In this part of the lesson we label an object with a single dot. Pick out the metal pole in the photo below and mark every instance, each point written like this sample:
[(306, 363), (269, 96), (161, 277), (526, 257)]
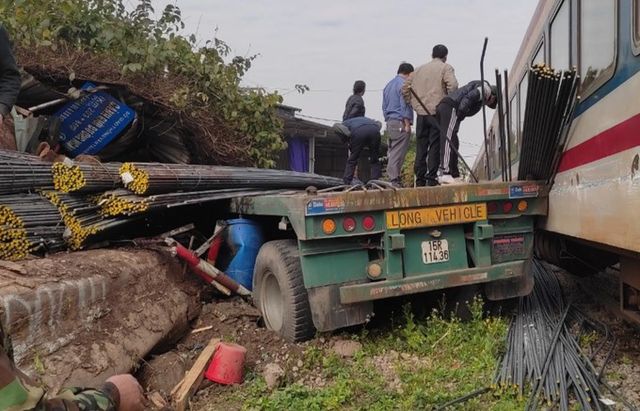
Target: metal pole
[(509, 119), (312, 155), (484, 110)]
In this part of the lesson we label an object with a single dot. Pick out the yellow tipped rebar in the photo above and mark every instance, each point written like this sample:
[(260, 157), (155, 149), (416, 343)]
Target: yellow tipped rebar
[(14, 239), (67, 177), (76, 232), (113, 205), (134, 179)]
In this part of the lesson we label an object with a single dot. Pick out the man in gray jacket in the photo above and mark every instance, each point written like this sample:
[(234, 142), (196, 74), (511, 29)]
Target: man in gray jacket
[(430, 82), (9, 76)]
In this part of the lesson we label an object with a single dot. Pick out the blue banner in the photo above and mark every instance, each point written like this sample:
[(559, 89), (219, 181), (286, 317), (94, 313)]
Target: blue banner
[(93, 121)]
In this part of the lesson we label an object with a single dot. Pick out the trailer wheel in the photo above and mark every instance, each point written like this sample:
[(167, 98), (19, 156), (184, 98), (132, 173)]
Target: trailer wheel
[(279, 291)]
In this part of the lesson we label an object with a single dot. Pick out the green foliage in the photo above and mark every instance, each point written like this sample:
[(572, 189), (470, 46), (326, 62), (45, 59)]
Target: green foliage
[(418, 365), (143, 44)]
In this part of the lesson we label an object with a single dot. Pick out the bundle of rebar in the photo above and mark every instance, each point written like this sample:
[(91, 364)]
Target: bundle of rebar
[(86, 177), (123, 202), (155, 178), (550, 103), (28, 223), (81, 217), (543, 352), (20, 173), (17, 155)]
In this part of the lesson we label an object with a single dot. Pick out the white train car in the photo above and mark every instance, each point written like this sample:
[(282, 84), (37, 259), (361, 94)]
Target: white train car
[(594, 203)]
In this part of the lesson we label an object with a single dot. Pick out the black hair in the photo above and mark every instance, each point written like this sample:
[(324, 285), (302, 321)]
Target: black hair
[(405, 68), (439, 51), (358, 87)]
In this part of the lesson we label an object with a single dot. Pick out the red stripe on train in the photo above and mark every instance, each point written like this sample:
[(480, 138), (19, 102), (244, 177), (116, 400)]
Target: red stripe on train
[(620, 137)]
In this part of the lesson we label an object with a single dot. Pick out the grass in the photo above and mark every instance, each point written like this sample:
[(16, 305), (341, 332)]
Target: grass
[(418, 364)]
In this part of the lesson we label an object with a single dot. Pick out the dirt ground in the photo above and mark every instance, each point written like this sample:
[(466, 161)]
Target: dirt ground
[(623, 370), (235, 320)]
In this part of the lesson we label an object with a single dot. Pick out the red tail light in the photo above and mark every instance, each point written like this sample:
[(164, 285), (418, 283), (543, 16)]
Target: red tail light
[(349, 224), (507, 206), (368, 223), (492, 208)]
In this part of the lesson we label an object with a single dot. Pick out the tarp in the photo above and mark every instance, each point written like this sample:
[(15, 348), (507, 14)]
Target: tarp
[(298, 154)]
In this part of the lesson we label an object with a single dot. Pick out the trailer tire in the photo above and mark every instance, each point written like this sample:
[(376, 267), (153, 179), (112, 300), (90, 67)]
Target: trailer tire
[(279, 291)]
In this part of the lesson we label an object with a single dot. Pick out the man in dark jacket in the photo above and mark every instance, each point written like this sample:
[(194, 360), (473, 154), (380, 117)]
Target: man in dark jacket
[(9, 76), (355, 103), (455, 107), (363, 132)]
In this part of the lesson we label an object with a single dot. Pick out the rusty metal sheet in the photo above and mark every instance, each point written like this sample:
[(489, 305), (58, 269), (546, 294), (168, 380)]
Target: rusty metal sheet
[(344, 202)]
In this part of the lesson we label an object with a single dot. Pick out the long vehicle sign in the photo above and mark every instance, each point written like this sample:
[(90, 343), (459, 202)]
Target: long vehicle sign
[(435, 216)]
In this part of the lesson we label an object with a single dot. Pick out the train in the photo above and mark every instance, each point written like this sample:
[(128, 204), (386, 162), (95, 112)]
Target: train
[(593, 218)]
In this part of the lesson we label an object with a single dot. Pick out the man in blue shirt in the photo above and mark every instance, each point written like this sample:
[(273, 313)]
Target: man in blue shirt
[(399, 117), (361, 132)]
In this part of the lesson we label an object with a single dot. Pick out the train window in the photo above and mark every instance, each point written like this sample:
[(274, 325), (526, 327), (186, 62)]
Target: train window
[(559, 34), (495, 156), (522, 94), (538, 58), (597, 41), (513, 127), (636, 25)]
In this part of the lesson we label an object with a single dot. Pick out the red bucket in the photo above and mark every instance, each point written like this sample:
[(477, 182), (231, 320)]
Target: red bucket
[(227, 365)]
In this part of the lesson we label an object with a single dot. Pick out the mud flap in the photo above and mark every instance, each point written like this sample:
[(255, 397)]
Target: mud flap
[(511, 287), (329, 314)]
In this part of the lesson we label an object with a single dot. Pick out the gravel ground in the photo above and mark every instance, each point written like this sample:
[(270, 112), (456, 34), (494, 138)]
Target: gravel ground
[(590, 293)]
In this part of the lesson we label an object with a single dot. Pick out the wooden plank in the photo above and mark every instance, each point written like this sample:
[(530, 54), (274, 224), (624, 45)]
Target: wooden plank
[(193, 378), (199, 330)]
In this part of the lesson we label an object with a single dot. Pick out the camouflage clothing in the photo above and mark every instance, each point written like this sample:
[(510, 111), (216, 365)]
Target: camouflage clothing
[(19, 392)]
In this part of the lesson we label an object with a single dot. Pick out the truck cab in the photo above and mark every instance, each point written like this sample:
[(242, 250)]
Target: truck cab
[(343, 250)]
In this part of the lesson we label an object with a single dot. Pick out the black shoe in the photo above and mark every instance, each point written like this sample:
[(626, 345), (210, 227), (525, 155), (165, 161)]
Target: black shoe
[(432, 183)]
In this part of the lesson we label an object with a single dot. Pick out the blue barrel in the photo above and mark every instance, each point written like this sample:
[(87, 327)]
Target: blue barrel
[(245, 239)]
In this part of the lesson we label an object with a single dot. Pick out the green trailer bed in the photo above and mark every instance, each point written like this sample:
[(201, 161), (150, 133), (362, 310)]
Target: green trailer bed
[(339, 251)]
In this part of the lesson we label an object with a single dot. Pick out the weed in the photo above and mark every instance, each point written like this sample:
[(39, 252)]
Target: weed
[(416, 365), (587, 340), (38, 365)]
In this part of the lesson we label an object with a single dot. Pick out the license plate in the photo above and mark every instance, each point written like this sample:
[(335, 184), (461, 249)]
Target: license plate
[(435, 216), (435, 251)]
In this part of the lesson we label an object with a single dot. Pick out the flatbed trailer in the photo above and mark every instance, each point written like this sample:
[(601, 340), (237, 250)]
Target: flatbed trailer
[(337, 252)]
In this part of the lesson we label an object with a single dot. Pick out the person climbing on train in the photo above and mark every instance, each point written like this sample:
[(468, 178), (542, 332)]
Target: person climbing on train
[(455, 107)]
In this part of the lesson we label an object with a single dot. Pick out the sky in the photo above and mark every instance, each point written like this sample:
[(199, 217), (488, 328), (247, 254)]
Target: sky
[(328, 44)]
